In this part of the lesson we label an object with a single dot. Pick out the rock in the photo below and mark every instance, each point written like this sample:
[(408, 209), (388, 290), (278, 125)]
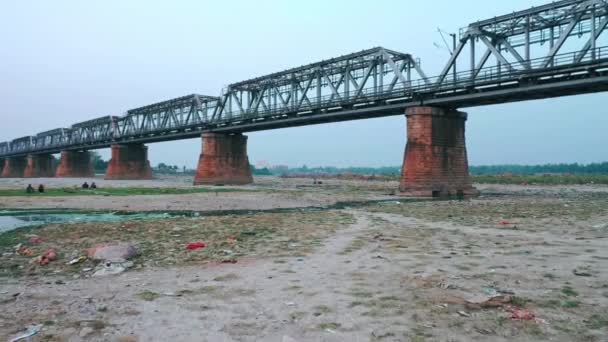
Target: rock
[(112, 252), (86, 331), (110, 268)]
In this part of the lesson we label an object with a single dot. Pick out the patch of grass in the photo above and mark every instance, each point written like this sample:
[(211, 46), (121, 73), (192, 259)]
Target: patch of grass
[(226, 277), (519, 301), (321, 309), (162, 243), (598, 321), (569, 291), (125, 191), (198, 291), (550, 276), (571, 304), (148, 295), (542, 179)]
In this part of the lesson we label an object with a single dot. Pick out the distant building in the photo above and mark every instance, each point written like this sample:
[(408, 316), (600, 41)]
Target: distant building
[(279, 167), (262, 164)]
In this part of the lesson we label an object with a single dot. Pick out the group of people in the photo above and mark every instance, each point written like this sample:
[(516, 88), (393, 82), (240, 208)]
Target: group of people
[(30, 189), (86, 185)]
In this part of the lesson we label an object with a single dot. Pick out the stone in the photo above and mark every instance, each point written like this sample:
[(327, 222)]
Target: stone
[(435, 161), (86, 331), (223, 160), (118, 252), (129, 162), (75, 164), (109, 268)]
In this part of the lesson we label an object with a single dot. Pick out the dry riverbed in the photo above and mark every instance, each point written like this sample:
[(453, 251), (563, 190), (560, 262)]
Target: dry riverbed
[(523, 263)]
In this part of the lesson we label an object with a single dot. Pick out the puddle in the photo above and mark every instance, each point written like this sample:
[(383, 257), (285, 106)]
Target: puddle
[(16, 218), (12, 219)]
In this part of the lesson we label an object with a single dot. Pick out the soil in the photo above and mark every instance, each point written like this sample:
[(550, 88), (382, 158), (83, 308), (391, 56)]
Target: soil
[(390, 271)]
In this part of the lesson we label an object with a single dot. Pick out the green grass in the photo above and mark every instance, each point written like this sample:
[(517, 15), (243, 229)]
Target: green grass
[(126, 191), (148, 295), (542, 179), (569, 291)]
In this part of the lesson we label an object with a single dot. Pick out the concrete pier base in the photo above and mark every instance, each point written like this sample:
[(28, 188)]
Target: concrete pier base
[(435, 162), (223, 160)]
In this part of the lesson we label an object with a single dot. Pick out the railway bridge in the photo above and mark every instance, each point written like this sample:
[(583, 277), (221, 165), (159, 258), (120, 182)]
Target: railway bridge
[(553, 50)]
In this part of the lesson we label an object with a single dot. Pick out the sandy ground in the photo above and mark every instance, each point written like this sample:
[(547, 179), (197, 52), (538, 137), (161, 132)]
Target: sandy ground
[(269, 193), (417, 271)]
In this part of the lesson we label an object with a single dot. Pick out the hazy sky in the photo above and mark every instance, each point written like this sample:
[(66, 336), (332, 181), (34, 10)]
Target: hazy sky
[(63, 62)]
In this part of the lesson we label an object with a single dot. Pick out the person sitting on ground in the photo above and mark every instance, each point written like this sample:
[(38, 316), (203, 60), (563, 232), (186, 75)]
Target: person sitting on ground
[(93, 185), (29, 189), (85, 185), (41, 188)]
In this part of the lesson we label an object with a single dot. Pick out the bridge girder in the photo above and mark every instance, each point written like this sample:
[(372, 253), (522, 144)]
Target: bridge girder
[(546, 51)]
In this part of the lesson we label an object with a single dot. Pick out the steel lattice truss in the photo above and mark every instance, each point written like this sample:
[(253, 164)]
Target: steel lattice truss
[(560, 34), (547, 51)]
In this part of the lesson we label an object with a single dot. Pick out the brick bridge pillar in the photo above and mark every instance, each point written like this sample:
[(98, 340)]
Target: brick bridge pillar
[(75, 164), (39, 165), (13, 167), (223, 160), (129, 161), (435, 162)]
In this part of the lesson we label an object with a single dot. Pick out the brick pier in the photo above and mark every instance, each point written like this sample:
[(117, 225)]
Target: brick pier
[(39, 165), (75, 164), (435, 162), (223, 160), (129, 161), (13, 167)]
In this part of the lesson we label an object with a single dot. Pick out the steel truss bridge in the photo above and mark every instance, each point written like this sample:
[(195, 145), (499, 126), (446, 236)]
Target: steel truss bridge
[(548, 51)]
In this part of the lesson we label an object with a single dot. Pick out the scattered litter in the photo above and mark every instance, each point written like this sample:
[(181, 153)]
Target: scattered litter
[(488, 302), (507, 223), (464, 314), (47, 257), (447, 286), (521, 314), (112, 251), (290, 303), (87, 269), (31, 331), (581, 273), (195, 245), (25, 251), (77, 260), (490, 291), (35, 239)]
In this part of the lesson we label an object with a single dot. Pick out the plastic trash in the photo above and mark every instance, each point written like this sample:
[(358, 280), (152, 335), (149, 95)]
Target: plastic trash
[(521, 314), (47, 257), (77, 260), (31, 331), (195, 245), (34, 240)]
